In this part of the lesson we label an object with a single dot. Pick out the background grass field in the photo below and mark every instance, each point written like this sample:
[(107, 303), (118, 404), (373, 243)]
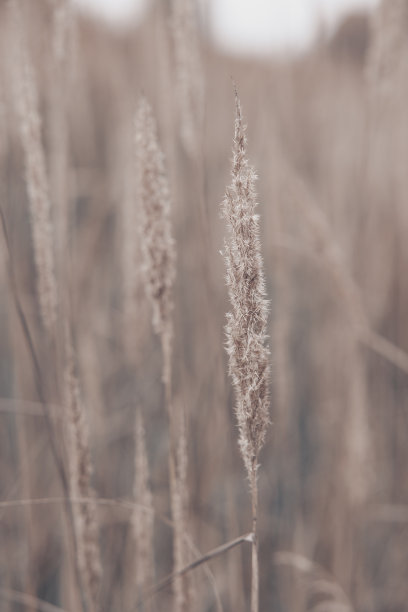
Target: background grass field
[(328, 137)]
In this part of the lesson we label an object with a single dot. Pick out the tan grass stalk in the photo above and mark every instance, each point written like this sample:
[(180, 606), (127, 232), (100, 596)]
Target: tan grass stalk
[(189, 73), (142, 519), (247, 322), (157, 244), (158, 253), (357, 459), (135, 310), (183, 586), (36, 176), (60, 76), (80, 474), (216, 552), (130, 269)]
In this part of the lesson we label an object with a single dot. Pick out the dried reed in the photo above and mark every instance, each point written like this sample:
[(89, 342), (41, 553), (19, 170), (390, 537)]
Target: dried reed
[(136, 312), (183, 586), (60, 80), (157, 244), (143, 514), (158, 253), (80, 474), (26, 98), (246, 323), (189, 73)]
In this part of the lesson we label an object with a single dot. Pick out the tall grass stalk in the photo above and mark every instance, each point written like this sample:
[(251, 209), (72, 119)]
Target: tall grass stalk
[(247, 321), (143, 515), (26, 97), (157, 244), (158, 257), (60, 73), (189, 73), (80, 474)]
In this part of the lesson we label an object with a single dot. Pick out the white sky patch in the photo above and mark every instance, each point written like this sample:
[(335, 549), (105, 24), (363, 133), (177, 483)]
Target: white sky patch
[(259, 25), (256, 26), (248, 26), (116, 11)]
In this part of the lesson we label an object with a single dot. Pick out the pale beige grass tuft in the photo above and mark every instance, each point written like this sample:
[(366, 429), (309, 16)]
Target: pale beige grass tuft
[(157, 244), (247, 322), (26, 98)]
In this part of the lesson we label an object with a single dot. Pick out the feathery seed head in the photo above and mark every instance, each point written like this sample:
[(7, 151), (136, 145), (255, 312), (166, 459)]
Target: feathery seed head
[(247, 321), (26, 96), (157, 244)]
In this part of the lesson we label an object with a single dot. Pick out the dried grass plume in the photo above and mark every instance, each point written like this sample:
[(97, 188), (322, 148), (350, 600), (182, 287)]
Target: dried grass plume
[(157, 244), (26, 97), (247, 321)]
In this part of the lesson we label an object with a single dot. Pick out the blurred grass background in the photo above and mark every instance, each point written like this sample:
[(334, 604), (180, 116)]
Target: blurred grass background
[(328, 134)]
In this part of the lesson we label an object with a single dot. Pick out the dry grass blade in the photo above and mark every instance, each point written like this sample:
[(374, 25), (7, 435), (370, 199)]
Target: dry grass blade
[(386, 349), (216, 552)]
